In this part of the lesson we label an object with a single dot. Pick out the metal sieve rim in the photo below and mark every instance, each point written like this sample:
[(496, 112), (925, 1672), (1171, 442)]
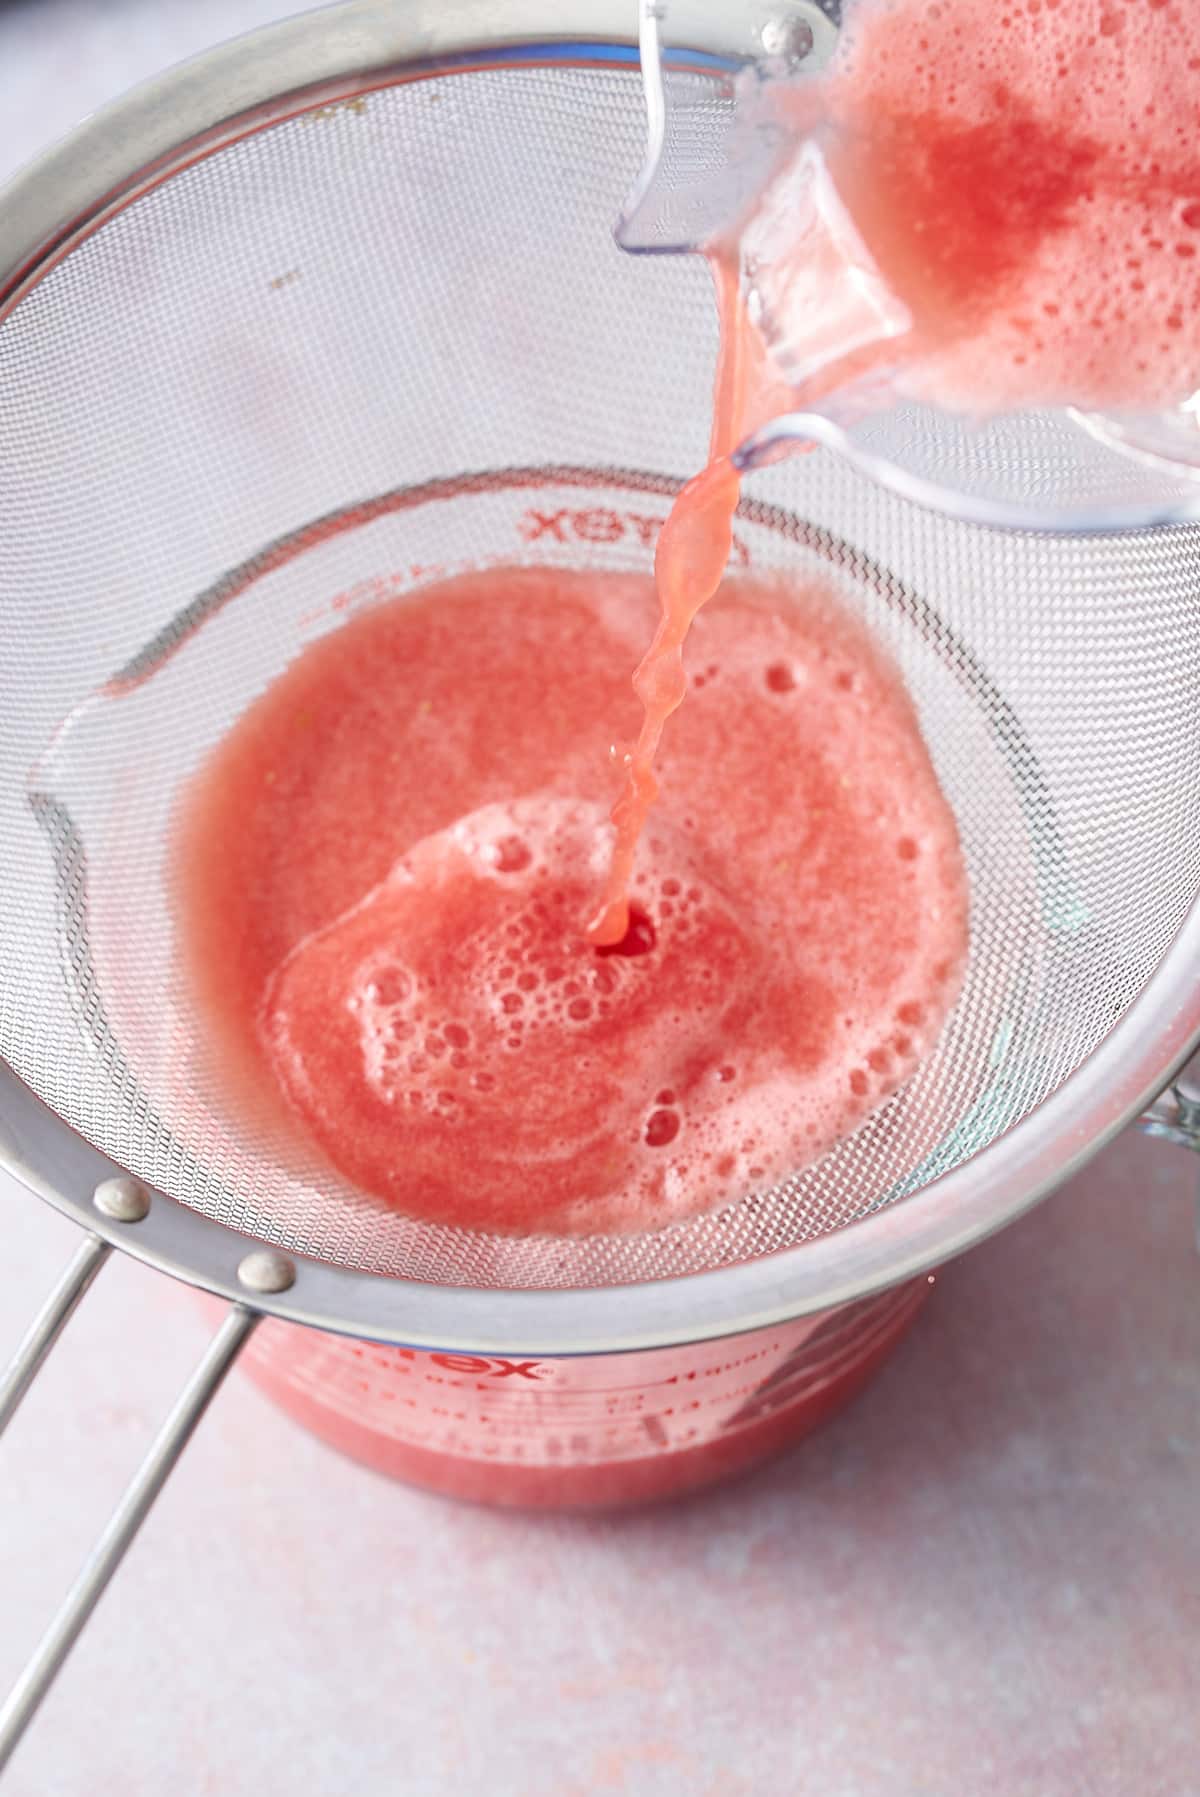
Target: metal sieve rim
[(906, 1238), (1154, 1038), (141, 140), (318, 58)]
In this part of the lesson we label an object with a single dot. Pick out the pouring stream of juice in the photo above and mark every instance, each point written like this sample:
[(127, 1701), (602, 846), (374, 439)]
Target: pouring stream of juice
[(693, 548)]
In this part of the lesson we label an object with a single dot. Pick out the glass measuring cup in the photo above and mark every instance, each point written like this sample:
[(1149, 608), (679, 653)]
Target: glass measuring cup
[(594, 1432)]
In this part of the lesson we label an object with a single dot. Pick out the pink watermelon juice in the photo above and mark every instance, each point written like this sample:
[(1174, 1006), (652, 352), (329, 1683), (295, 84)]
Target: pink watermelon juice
[(388, 865)]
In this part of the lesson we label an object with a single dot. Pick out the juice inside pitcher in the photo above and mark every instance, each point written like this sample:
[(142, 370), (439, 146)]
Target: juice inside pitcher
[(989, 208)]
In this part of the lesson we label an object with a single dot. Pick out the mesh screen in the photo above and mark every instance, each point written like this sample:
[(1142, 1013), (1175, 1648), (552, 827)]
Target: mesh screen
[(367, 345)]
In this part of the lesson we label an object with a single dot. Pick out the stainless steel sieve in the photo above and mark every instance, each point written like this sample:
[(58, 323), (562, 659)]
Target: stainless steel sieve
[(339, 303)]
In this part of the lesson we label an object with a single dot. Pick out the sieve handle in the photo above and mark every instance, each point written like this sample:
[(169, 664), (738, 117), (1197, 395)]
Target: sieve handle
[(133, 1507), (1175, 1113), (49, 1324)]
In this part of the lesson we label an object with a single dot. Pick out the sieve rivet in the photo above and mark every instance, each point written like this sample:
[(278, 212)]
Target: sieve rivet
[(266, 1270), (122, 1199), (790, 39)]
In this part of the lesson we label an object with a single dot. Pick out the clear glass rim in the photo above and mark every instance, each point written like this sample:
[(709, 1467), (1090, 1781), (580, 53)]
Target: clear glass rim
[(793, 431)]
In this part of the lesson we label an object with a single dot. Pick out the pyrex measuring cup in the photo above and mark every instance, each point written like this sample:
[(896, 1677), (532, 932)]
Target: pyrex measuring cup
[(301, 326)]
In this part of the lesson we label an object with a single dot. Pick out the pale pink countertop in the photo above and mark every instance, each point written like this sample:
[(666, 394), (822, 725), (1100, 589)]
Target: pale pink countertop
[(984, 1579)]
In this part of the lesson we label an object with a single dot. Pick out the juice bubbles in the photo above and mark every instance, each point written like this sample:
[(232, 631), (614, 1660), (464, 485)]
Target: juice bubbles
[(369, 913), (1024, 180), (388, 863)]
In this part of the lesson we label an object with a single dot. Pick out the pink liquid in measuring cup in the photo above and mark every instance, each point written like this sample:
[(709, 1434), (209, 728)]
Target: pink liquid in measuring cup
[(388, 864), (595, 1432), (353, 855)]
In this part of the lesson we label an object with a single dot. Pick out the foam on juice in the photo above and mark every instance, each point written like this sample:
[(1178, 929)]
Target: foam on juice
[(403, 958)]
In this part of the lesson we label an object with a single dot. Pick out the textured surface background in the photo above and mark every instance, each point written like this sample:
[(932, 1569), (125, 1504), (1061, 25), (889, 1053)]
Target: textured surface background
[(983, 1580)]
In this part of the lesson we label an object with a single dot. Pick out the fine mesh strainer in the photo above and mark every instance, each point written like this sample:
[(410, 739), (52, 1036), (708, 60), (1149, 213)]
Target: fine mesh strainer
[(336, 310)]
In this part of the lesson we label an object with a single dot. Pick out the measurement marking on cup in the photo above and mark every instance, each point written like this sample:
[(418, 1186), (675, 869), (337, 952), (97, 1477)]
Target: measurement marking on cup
[(602, 524), (476, 1363)]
